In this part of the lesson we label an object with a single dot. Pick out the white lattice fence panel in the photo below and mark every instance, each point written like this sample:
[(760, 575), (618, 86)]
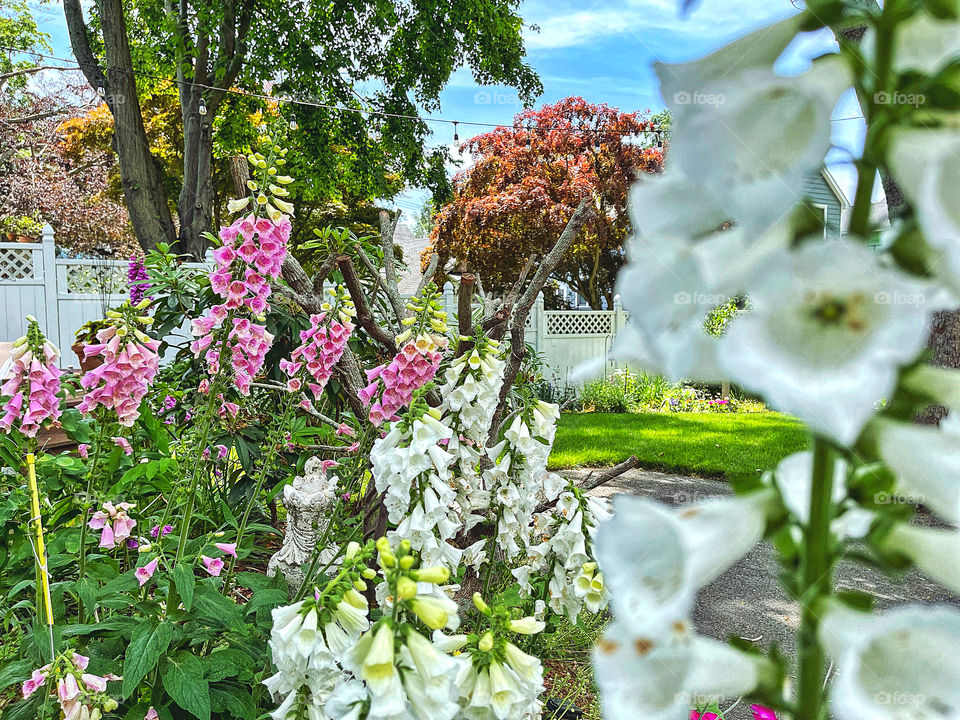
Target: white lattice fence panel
[(579, 323), (16, 264), (96, 279)]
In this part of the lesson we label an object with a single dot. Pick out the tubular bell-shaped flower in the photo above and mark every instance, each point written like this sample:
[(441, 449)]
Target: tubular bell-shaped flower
[(894, 666), (130, 362), (34, 383)]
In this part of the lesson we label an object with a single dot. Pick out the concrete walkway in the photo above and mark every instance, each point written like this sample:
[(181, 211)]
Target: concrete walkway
[(747, 600)]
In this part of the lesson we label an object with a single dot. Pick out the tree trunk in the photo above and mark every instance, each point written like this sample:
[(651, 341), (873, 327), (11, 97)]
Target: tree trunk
[(195, 206), (140, 172)]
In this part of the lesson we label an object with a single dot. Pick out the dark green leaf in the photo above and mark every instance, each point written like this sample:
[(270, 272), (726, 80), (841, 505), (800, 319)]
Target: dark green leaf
[(183, 681), (235, 701), (149, 642), (185, 581)]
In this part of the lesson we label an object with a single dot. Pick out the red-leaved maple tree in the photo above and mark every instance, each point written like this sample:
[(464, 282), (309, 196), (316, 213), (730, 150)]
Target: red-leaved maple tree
[(526, 181)]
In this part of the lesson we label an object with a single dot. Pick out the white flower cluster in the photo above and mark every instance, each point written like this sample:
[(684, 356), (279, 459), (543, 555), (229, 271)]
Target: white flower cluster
[(834, 328), (414, 470), (564, 555), (470, 394), (649, 662), (518, 477), (307, 653)]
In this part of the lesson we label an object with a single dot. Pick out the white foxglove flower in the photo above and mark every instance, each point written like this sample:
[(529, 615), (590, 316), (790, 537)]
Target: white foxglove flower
[(346, 701), (527, 667), (654, 559), (654, 676), (751, 149), (926, 462), (372, 660), (829, 330), (896, 666), (926, 164), (933, 550)]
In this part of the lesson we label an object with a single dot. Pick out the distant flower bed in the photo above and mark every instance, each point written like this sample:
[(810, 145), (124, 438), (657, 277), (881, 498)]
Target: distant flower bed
[(626, 391)]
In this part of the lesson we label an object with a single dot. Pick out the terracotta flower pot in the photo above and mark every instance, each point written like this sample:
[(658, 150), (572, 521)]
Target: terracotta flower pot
[(86, 364), (12, 236), (25, 239)]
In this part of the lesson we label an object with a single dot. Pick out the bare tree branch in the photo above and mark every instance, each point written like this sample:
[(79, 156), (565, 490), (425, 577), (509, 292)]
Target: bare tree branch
[(388, 226), (594, 482), (518, 320), (428, 273), (364, 314)]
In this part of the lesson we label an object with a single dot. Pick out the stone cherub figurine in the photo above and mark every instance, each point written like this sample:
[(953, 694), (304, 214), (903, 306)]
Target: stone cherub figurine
[(308, 501)]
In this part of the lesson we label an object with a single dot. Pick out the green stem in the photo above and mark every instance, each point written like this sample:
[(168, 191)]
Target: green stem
[(265, 467), (816, 583), (91, 476), (875, 113)]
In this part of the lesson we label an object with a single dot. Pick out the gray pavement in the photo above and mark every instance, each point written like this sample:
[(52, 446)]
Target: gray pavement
[(747, 600)]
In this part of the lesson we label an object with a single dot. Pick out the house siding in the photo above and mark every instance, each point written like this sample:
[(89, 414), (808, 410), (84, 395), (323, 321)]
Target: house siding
[(815, 188)]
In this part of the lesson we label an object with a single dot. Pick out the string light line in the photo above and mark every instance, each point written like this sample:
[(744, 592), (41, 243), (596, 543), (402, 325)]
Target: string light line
[(344, 108)]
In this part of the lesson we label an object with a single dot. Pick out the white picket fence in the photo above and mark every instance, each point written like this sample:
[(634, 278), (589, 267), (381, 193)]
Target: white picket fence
[(63, 294)]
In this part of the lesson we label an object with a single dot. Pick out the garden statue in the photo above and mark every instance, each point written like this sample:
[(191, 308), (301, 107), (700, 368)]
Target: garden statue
[(308, 501)]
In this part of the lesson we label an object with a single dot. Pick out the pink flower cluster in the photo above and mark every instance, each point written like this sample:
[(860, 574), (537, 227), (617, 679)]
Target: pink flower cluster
[(113, 523), (76, 701), (124, 378), (32, 390), (248, 343), (321, 348), (251, 255), (410, 369)]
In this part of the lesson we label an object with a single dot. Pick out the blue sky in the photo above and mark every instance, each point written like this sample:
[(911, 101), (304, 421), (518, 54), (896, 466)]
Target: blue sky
[(603, 51)]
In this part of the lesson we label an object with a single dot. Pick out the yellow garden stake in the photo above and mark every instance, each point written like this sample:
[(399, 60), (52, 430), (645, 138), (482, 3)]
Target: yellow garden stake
[(41, 554)]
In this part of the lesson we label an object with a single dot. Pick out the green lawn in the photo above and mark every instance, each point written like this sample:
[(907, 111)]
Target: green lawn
[(714, 444)]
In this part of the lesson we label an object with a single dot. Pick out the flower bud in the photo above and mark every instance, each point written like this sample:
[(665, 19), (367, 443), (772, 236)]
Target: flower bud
[(526, 626), (368, 573), (480, 604), (353, 547), (486, 642), (406, 562), (406, 589), (437, 574)]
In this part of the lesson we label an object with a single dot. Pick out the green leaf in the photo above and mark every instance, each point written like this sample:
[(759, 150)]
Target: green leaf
[(149, 642), (217, 610), (183, 681), (15, 672), (234, 701), (185, 581), (225, 663)]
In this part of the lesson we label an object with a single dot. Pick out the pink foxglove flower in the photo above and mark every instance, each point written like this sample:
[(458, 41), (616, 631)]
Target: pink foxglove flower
[(124, 445), (143, 574), (213, 565), (227, 548), (344, 429), (321, 347), (113, 522), (83, 450), (761, 712), (34, 384), (411, 368), (130, 363), (36, 681), (251, 255), (151, 714)]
